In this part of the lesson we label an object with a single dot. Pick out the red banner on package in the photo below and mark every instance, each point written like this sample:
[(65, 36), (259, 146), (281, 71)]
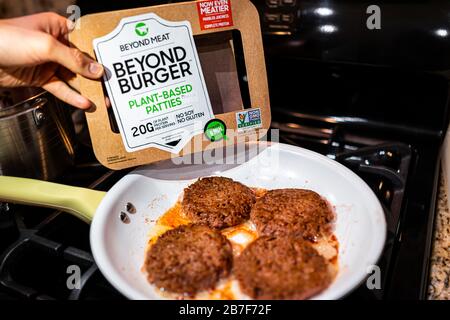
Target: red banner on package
[(214, 14)]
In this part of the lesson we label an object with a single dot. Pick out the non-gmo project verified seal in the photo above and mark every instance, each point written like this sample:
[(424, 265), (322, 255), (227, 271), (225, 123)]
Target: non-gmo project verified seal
[(249, 119)]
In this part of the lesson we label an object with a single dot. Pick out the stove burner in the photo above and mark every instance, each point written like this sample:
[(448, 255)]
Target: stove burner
[(47, 247), (385, 168), (37, 267)]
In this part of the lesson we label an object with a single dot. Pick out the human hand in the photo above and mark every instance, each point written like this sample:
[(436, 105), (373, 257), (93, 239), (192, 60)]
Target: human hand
[(34, 52)]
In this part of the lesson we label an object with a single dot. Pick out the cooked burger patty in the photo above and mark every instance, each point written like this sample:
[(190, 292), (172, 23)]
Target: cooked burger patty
[(218, 202), (189, 259), (296, 212), (281, 268)]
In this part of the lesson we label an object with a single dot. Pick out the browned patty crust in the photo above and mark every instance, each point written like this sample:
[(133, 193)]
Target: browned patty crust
[(281, 268), (218, 202), (189, 259), (296, 212)]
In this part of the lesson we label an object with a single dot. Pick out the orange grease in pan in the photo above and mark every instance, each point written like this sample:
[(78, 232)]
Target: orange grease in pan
[(239, 236), (173, 217)]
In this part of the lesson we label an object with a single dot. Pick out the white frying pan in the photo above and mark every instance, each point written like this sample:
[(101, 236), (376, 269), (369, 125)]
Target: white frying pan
[(119, 247)]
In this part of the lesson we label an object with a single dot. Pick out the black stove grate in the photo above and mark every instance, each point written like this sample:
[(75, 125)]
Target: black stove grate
[(45, 246), (44, 243)]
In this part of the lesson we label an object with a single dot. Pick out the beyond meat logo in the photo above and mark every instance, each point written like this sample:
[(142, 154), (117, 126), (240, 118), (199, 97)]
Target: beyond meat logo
[(141, 29)]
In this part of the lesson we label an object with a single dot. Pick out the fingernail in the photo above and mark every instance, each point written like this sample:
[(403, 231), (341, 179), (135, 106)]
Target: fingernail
[(83, 102), (95, 68)]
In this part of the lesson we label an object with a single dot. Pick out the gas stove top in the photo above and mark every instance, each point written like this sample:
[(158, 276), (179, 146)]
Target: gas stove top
[(39, 245), (374, 100)]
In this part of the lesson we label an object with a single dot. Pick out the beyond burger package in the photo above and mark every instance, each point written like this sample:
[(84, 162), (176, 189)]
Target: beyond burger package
[(179, 78)]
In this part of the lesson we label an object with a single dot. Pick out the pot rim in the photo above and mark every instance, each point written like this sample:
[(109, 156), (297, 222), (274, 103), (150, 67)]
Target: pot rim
[(21, 107)]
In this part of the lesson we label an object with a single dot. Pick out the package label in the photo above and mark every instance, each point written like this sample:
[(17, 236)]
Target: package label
[(155, 82), (214, 14), (248, 119)]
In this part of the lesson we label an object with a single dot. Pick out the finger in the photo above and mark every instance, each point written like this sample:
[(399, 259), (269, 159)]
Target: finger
[(74, 60), (68, 77), (65, 74), (107, 102), (63, 92), (53, 24), (48, 22)]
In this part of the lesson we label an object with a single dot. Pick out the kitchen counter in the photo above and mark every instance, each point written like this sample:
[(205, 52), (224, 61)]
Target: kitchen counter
[(439, 288)]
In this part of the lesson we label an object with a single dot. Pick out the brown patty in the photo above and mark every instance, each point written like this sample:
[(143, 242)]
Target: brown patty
[(189, 259), (218, 202), (296, 212), (281, 268)]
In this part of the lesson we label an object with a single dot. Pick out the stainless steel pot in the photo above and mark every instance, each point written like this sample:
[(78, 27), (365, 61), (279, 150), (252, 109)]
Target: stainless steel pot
[(36, 138)]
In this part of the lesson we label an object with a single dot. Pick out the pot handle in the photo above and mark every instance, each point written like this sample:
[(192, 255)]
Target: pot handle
[(80, 202)]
